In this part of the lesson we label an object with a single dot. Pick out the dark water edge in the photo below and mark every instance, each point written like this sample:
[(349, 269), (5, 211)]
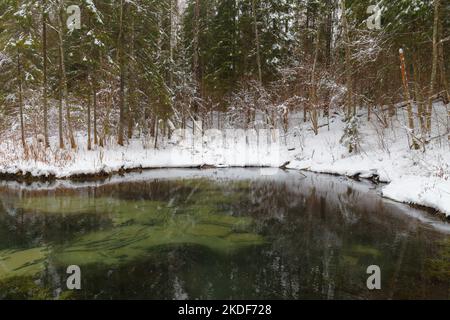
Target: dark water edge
[(217, 234)]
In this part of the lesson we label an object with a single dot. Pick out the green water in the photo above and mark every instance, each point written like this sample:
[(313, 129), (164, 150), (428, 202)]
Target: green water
[(286, 237)]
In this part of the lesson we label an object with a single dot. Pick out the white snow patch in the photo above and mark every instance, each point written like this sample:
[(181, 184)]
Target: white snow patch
[(430, 192), (420, 177)]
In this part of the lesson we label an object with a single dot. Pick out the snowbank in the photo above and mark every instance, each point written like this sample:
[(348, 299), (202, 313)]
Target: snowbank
[(419, 177), (238, 151), (430, 192)]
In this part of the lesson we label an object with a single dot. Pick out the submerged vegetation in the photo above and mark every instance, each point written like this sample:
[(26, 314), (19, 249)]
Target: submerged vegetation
[(18, 262), (212, 238), (439, 268), (137, 227)]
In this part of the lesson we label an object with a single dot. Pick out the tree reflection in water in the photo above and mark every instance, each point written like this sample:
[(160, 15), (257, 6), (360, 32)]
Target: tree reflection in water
[(288, 236)]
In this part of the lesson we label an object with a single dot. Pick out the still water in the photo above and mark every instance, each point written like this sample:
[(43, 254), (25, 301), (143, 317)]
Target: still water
[(217, 234)]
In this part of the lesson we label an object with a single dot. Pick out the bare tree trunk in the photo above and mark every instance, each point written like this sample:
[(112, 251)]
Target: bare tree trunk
[(196, 58), (408, 99), (351, 108), (106, 123), (63, 80), (122, 76), (434, 64), (89, 146), (171, 40), (61, 98), (19, 78), (94, 96), (196, 40), (419, 96), (313, 90), (131, 95), (93, 92), (156, 132), (329, 31), (258, 56), (60, 117), (44, 82), (443, 72)]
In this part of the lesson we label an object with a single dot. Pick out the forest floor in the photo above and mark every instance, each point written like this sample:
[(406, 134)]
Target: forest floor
[(420, 177)]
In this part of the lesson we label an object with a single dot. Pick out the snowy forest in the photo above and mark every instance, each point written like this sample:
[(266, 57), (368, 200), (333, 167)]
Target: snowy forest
[(224, 149), (358, 88)]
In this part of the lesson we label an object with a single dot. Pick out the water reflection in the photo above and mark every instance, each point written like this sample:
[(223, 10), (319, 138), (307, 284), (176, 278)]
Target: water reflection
[(178, 234)]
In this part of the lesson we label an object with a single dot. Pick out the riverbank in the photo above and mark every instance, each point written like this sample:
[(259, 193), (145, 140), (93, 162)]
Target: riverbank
[(227, 221), (420, 177), (101, 162)]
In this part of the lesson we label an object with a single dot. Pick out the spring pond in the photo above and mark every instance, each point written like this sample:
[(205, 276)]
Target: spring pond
[(217, 234)]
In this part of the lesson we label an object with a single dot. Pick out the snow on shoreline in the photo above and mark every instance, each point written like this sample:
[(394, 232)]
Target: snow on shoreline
[(431, 192), (428, 192), (135, 155), (414, 176)]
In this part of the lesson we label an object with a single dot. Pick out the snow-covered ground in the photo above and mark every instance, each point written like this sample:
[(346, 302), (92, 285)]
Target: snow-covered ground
[(239, 150), (419, 177)]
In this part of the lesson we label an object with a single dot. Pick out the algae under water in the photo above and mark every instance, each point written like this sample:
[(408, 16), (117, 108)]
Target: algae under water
[(288, 236)]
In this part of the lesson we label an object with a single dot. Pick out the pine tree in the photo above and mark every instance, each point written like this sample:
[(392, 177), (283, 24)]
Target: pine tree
[(21, 44)]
